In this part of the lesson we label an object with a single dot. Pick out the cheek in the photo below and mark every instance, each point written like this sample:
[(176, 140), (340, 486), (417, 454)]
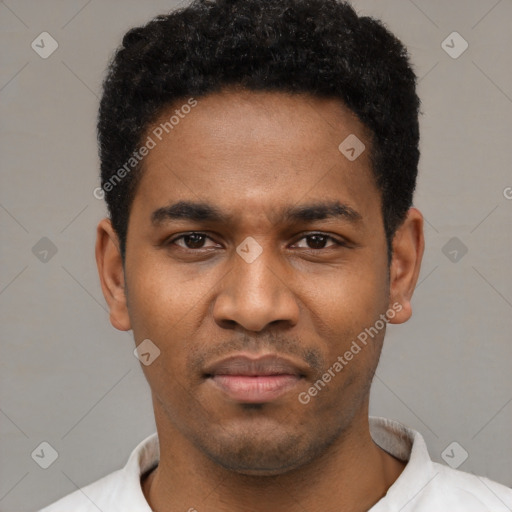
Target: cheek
[(167, 305), (160, 296), (347, 301), (161, 307)]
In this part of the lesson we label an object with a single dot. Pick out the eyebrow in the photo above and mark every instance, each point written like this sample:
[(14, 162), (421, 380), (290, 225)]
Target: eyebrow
[(205, 212), (321, 211), (188, 210)]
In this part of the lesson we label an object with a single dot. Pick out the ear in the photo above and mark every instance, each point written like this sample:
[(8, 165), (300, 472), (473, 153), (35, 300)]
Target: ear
[(111, 273), (408, 246)]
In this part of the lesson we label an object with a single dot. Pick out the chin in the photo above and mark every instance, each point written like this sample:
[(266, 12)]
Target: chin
[(262, 452), (258, 463)]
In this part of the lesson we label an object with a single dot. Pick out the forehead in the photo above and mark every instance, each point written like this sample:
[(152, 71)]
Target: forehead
[(246, 152)]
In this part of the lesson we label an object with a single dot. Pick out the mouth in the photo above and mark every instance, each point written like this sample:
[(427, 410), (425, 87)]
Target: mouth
[(247, 379)]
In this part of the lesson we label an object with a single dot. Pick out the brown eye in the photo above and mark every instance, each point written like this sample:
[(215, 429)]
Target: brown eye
[(318, 241), (191, 241), (194, 241)]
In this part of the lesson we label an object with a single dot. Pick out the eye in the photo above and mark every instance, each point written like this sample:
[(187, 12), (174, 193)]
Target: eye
[(190, 240), (318, 241), (196, 240)]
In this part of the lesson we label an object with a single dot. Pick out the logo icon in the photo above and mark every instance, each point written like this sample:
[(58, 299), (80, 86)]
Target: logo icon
[(454, 45), (44, 45), (454, 455), (45, 455), (146, 352), (44, 250), (352, 147), (249, 249), (454, 249)]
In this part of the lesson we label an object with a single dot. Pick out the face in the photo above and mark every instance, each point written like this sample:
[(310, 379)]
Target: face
[(255, 259)]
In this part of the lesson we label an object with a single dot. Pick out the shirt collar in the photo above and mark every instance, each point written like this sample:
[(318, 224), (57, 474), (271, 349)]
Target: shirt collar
[(407, 445), (393, 437), (144, 457)]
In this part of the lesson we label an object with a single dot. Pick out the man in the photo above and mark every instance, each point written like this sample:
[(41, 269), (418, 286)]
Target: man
[(259, 160)]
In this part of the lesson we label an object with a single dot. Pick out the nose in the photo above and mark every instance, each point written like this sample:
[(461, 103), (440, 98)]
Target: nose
[(256, 294)]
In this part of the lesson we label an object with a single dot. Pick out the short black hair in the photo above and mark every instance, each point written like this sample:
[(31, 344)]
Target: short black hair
[(318, 47)]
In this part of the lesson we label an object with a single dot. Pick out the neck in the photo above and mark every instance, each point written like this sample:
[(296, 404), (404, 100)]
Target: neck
[(352, 475)]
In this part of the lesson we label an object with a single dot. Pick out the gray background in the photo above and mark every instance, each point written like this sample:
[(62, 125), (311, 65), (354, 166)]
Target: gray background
[(69, 378)]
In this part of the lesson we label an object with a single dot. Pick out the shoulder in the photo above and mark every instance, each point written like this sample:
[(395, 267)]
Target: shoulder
[(120, 490), (97, 495), (426, 486), (454, 490)]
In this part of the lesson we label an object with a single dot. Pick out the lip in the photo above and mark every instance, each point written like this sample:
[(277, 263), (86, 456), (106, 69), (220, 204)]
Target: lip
[(255, 379)]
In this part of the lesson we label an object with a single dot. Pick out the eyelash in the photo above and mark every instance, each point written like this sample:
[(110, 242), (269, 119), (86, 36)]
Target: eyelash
[(183, 235)]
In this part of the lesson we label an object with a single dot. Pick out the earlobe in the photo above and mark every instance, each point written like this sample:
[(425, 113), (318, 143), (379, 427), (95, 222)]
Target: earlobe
[(408, 247), (111, 274)]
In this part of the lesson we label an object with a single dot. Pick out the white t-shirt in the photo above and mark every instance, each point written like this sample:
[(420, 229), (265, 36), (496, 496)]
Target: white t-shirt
[(423, 486)]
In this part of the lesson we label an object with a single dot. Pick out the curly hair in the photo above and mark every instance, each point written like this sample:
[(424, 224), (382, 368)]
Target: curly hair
[(319, 47)]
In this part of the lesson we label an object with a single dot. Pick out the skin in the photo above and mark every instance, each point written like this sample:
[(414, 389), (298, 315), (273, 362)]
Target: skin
[(252, 154)]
